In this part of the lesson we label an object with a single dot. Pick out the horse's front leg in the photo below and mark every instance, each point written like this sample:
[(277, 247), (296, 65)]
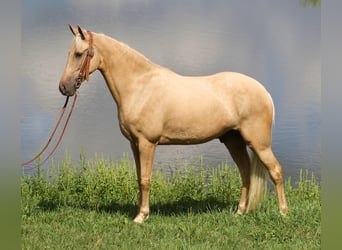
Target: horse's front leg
[(143, 153)]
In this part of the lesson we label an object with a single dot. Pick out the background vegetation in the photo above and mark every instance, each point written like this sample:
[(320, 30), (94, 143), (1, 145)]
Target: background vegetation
[(91, 205), (311, 2)]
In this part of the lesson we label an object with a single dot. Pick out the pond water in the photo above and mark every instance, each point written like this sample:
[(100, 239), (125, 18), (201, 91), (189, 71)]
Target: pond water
[(275, 42)]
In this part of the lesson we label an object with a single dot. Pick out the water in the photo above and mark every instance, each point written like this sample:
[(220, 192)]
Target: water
[(276, 42)]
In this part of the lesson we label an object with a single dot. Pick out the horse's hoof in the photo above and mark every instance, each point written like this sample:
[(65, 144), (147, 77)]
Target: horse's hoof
[(283, 210), (238, 213), (241, 210), (140, 218), (283, 213)]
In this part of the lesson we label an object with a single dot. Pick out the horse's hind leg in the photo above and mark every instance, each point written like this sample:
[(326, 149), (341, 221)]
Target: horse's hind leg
[(260, 141), (237, 149), (275, 170)]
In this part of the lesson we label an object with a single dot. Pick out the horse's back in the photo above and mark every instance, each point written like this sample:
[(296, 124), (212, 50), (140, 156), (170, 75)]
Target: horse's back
[(233, 90), (238, 83), (196, 109)]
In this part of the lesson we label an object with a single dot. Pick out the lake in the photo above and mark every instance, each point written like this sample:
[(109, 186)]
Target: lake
[(275, 42)]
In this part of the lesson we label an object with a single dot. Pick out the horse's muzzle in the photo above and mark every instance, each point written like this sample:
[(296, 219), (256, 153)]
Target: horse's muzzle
[(67, 91)]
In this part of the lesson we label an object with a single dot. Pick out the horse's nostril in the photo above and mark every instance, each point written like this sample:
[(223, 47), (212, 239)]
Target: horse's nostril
[(78, 83), (62, 88)]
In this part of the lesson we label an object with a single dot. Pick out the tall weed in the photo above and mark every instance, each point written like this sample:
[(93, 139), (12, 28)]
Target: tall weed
[(105, 184)]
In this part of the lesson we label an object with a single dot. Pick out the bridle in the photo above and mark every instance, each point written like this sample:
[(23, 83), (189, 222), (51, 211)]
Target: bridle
[(84, 71)]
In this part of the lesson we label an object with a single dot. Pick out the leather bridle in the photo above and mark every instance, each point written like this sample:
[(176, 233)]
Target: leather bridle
[(84, 71)]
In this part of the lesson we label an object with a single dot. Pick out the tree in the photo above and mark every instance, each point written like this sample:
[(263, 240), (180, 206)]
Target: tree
[(311, 2)]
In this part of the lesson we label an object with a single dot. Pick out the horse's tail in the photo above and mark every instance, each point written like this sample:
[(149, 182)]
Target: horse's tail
[(257, 183)]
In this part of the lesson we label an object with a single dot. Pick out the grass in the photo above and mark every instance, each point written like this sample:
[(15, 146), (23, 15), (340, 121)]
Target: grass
[(91, 205)]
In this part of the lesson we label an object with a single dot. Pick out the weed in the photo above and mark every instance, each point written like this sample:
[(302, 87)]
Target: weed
[(91, 205)]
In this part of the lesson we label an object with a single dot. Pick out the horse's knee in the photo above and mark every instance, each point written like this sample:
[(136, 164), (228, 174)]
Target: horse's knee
[(145, 184)]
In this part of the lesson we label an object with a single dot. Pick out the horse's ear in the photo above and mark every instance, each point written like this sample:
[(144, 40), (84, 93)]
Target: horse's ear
[(82, 32), (73, 30)]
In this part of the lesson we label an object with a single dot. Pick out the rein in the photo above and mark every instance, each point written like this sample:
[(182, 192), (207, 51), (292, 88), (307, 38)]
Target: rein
[(52, 135), (82, 75)]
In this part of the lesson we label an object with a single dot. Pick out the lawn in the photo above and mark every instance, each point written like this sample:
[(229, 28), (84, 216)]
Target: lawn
[(91, 205)]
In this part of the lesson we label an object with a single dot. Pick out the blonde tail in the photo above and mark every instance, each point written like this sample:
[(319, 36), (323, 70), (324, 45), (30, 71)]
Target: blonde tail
[(257, 183)]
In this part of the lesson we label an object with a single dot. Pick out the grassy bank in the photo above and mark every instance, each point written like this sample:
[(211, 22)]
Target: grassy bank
[(91, 206)]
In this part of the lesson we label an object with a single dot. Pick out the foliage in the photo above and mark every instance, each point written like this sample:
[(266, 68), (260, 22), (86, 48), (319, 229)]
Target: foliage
[(311, 2), (91, 205)]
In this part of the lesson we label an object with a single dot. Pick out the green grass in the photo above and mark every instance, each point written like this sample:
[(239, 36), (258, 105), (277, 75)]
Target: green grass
[(91, 205)]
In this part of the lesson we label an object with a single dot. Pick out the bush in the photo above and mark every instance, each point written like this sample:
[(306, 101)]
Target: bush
[(103, 184)]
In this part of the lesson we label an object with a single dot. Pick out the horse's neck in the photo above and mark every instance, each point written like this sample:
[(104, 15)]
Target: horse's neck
[(121, 66)]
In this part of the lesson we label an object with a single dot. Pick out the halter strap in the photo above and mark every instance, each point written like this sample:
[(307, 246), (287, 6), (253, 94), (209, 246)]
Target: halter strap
[(84, 71)]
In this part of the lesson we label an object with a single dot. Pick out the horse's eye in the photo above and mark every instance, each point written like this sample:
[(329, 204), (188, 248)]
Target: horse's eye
[(78, 54)]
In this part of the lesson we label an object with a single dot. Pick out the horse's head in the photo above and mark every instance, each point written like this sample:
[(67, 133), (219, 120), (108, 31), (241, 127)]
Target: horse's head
[(82, 61)]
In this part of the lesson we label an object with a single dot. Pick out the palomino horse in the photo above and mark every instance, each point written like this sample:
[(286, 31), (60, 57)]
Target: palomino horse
[(159, 107)]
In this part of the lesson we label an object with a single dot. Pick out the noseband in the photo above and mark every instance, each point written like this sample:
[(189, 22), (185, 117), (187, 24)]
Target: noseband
[(84, 71)]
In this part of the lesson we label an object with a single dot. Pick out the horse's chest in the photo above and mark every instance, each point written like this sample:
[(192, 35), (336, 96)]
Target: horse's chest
[(128, 126), (125, 128)]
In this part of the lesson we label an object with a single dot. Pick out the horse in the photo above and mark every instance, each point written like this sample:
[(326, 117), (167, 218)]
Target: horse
[(157, 106)]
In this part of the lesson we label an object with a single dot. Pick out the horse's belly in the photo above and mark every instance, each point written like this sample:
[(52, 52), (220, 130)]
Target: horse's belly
[(184, 139), (193, 130), (187, 137)]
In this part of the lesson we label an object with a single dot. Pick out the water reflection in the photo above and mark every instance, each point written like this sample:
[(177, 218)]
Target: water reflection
[(276, 42)]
